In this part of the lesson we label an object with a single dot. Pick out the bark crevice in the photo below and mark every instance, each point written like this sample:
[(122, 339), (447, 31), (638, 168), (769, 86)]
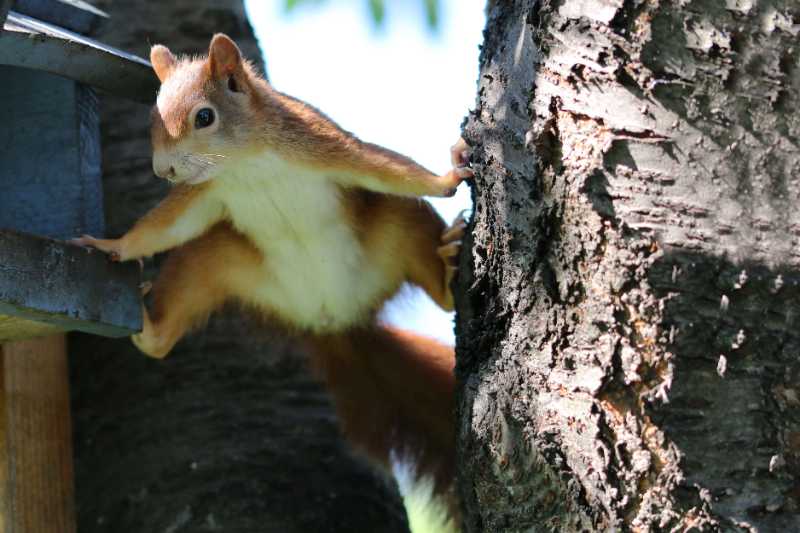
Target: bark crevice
[(641, 248)]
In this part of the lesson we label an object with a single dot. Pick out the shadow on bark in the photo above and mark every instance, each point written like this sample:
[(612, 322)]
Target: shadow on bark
[(229, 433), (735, 344)]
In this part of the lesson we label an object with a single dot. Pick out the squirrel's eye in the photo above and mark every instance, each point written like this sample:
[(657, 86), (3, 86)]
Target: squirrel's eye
[(204, 118)]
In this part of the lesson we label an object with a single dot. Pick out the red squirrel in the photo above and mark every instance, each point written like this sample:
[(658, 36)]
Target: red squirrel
[(277, 207)]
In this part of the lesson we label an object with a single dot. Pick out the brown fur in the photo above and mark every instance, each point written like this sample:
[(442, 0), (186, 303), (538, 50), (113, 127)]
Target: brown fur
[(221, 265), (288, 126), (197, 279), (403, 233), (394, 391), (147, 237)]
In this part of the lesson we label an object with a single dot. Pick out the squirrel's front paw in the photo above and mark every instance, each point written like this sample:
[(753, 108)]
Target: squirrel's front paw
[(459, 157), (113, 247)]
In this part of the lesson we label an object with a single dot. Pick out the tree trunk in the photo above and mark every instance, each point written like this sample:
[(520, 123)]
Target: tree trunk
[(229, 433), (628, 315)]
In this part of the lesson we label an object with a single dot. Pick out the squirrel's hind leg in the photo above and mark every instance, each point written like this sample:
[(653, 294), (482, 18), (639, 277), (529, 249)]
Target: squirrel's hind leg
[(451, 248), (432, 256), (197, 279), (150, 341)]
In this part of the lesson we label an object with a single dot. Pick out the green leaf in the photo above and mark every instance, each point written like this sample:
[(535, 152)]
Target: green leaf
[(432, 13), (378, 10), (291, 4)]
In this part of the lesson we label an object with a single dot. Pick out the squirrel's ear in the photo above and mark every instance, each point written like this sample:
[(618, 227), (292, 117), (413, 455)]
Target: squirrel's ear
[(224, 57), (162, 60)]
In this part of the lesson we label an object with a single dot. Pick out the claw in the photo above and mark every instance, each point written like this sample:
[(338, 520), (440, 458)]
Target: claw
[(83, 240), (449, 251), (447, 184), (459, 157), (451, 242), (464, 172), (145, 287), (109, 246), (456, 230), (459, 153), (449, 274)]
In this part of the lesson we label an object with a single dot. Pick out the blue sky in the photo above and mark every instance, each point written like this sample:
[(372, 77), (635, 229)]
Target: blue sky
[(402, 86)]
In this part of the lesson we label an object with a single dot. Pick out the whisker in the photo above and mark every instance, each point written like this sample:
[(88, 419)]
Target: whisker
[(196, 160)]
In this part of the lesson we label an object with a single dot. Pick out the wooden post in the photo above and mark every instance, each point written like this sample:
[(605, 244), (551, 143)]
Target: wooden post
[(36, 473), (51, 187)]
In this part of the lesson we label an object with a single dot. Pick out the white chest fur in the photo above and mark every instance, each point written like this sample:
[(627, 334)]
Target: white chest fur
[(316, 273)]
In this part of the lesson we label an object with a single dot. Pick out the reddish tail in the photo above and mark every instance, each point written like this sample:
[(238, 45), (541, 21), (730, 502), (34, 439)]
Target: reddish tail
[(394, 393)]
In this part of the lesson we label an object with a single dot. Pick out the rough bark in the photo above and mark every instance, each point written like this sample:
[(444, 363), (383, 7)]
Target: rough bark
[(628, 325), (230, 433)]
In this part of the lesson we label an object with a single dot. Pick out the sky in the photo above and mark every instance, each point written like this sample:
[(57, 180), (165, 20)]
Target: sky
[(403, 86)]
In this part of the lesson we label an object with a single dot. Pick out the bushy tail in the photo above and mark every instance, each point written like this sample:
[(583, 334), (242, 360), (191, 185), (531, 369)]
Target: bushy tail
[(428, 512), (394, 394)]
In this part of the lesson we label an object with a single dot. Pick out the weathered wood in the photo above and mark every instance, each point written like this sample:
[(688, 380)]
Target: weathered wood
[(73, 15), (5, 6), (36, 471), (40, 46), (50, 178), (67, 286), (15, 328), (49, 148)]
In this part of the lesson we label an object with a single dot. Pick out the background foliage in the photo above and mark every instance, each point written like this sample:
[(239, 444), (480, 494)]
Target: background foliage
[(377, 10)]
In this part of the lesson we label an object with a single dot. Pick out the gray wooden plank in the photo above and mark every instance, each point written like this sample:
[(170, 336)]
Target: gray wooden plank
[(73, 15), (90, 173), (5, 6), (49, 155), (68, 286), (40, 46)]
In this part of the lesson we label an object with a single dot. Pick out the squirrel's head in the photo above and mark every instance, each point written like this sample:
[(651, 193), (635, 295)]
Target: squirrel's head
[(204, 113)]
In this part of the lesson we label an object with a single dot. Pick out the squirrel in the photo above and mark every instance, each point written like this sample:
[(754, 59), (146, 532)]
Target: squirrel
[(277, 207)]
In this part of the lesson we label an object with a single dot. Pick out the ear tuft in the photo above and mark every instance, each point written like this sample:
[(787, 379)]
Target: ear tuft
[(162, 60), (224, 57)]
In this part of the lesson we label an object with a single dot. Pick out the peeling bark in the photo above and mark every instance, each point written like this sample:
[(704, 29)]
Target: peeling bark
[(628, 347)]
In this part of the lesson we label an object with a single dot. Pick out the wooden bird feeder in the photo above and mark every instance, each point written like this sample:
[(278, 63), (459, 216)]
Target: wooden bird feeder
[(51, 190)]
